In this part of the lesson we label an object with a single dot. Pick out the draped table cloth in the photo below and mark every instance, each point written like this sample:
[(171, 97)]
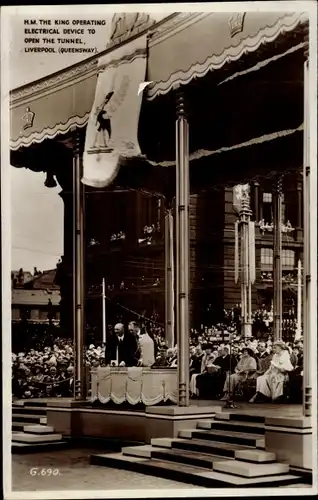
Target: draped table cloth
[(134, 385)]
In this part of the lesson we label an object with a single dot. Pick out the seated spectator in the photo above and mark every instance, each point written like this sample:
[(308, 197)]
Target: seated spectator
[(52, 382), (202, 361), (245, 368), (271, 384), (210, 381)]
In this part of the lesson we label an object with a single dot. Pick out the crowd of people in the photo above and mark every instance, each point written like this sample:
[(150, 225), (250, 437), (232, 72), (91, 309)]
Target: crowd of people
[(222, 363)]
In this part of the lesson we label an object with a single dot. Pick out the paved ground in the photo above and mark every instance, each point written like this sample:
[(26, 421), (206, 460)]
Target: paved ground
[(75, 473)]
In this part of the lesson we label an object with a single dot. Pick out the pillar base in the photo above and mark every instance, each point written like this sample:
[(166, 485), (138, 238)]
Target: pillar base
[(291, 439), (247, 330)]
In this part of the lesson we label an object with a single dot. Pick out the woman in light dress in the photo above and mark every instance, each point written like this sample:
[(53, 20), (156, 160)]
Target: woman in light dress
[(271, 384), (244, 369)]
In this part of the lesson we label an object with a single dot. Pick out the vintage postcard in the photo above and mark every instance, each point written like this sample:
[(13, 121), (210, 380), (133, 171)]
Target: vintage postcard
[(159, 231)]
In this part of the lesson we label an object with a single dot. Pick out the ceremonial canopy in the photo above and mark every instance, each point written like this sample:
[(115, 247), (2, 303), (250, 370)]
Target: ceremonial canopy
[(219, 59)]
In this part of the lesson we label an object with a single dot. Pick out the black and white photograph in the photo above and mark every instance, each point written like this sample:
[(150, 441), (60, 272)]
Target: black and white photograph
[(159, 247)]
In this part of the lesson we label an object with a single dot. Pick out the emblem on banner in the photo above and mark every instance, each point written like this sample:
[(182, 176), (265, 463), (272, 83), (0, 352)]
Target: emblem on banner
[(28, 118), (104, 113), (240, 192), (125, 25), (236, 23)]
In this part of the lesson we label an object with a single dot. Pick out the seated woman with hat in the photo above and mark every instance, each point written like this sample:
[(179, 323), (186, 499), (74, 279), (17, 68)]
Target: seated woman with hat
[(244, 369), (271, 384)]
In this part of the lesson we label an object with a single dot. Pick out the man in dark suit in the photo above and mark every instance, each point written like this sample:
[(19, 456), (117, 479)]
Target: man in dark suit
[(226, 364), (122, 347)]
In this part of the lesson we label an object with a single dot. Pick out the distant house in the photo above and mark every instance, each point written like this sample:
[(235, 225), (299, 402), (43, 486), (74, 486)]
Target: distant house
[(37, 299)]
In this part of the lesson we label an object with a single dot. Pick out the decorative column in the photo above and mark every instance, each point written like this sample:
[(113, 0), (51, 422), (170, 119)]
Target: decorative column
[(307, 383), (277, 263), (182, 250), (78, 272), (299, 299), (299, 224), (245, 215), (169, 280), (256, 201)]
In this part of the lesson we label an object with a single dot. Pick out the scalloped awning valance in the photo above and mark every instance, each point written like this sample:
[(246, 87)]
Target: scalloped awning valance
[(184, 47), (204, 42), (53, 105)]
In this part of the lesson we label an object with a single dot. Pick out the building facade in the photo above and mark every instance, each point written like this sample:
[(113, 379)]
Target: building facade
[(125, 246), (37, 300)]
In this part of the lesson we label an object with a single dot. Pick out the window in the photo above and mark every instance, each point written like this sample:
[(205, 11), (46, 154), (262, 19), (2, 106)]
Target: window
[(268, 213), (288, 259), (267, 207), (266, 258), (267, 197), (151, 214)]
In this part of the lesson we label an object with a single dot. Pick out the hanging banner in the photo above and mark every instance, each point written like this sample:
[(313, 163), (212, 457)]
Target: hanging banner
[(236, 250), (251, 251), (240, 192), (112, 129)]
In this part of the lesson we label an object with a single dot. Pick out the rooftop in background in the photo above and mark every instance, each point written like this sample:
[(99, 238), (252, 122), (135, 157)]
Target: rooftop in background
[(38, 281), (45, 280)]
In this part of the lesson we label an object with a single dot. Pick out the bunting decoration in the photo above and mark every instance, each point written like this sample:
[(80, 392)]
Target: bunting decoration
[(112, 129)]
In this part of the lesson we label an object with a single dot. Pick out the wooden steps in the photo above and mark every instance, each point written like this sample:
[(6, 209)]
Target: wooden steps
[(227, 451), (29, 430)]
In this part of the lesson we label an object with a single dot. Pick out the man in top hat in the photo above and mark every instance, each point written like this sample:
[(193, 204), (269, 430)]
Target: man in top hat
[(122, 348)]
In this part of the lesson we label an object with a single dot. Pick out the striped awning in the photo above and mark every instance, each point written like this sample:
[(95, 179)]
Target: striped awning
[(184, 47), (202, 42), (53, 105)]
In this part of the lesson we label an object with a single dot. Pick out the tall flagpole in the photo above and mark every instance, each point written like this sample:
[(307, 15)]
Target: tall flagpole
[(183, 247), (104, 310), (78, 271), (277, 263)]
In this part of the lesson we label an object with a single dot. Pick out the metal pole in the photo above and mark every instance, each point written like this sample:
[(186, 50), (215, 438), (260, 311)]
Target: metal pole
[(277, 263), (104, 311), (169, 306), (182, 176), (78, 273), (307, 385), (299, 299)]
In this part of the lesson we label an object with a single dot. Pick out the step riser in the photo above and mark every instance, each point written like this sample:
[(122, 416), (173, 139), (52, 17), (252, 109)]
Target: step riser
[(196, 462), (237, 428), (183, 477), (247, 418), (226, 439), (29, 411), (204, 449), (18, 427), (35, 404), (34, 443), (26, 419), (17, 450), (151, 470)]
